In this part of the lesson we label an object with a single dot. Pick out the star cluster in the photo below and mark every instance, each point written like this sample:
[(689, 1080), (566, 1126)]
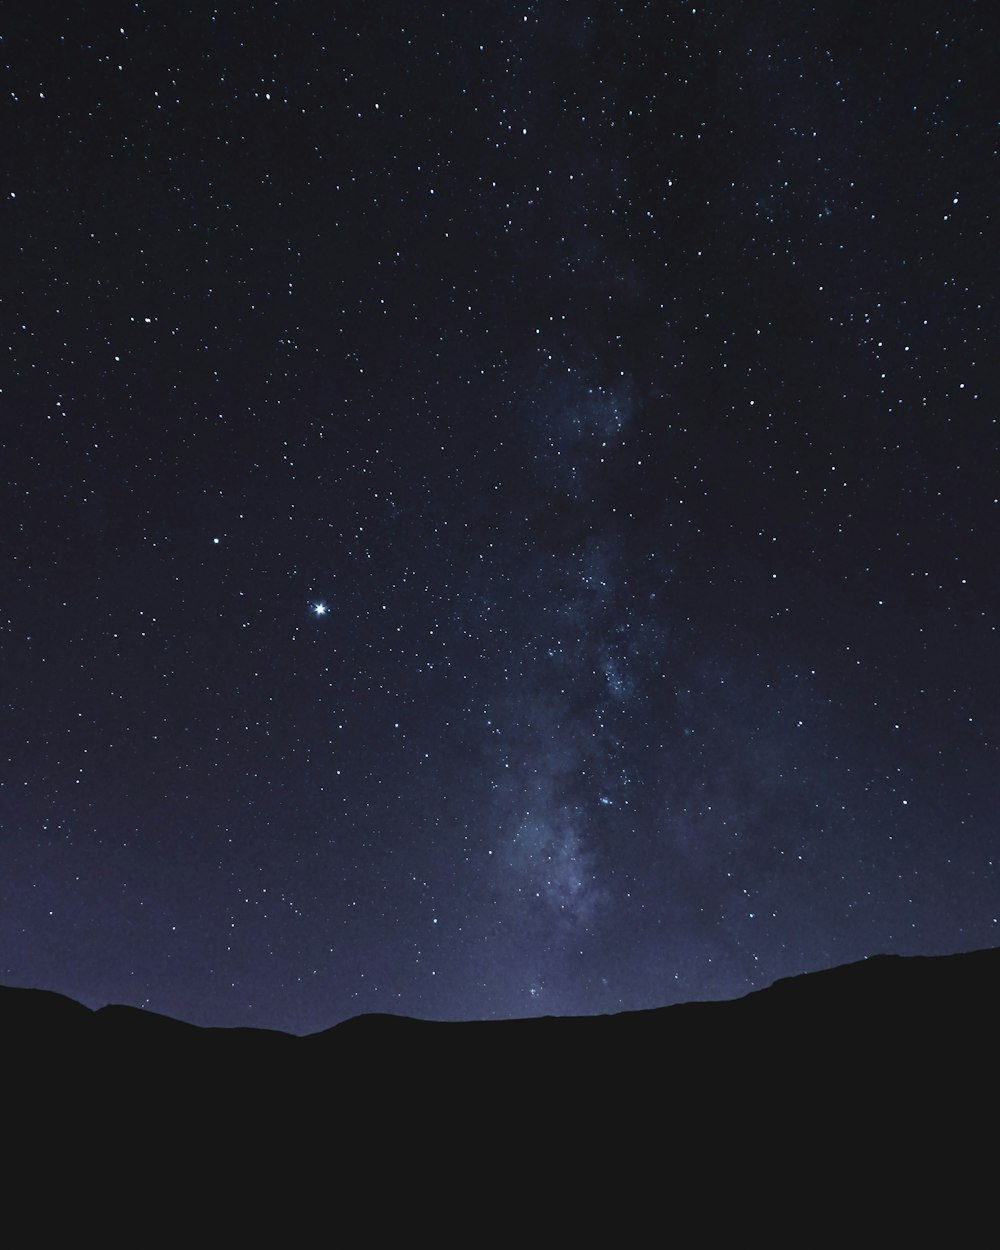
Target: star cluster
[(499, 504)]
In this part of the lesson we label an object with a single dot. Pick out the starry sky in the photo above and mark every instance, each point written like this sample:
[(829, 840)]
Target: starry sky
[(499, 501)]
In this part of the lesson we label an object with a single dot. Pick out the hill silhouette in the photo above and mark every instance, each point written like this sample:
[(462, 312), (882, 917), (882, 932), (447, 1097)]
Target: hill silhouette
[(897, 1016), (857, 1071)]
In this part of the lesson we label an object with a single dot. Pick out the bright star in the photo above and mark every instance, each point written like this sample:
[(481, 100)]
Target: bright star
[(318, 609)]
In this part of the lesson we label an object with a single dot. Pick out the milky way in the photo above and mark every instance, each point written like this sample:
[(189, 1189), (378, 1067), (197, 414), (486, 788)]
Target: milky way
[(499, 505)]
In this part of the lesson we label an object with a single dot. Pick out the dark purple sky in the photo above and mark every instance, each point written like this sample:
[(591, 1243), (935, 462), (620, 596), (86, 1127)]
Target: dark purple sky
[(500, 504)]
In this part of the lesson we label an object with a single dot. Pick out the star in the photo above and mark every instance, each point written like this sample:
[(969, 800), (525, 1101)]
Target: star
[(319, 608)]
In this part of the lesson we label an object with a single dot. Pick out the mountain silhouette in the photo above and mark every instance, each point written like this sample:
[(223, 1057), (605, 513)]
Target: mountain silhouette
[(845, 1078)]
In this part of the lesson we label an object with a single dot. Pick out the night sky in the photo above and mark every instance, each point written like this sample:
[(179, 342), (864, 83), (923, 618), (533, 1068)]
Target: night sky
[(500, 503)]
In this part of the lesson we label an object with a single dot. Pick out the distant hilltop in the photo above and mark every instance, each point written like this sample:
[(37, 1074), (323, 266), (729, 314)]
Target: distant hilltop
[(848, 1083)]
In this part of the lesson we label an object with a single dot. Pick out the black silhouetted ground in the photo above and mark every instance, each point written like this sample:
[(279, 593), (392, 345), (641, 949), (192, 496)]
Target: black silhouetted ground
[(862, 1077)]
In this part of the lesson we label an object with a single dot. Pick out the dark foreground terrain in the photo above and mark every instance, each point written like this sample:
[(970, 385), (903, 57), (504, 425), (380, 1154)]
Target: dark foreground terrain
[(870, 1085)]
